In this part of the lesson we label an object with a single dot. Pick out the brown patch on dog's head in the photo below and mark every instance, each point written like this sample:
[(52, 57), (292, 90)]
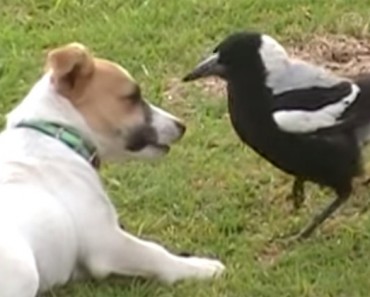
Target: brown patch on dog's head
[(109, 99), (105, 93), (70, 64)]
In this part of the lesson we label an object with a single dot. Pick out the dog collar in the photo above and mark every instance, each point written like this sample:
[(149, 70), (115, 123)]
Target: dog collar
[(69, 136)]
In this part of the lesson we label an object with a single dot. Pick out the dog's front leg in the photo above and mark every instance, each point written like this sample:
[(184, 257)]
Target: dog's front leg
[(125, 254)]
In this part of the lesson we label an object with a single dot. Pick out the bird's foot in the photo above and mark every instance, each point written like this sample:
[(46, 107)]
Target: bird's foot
[(286, 240), (297, 200)]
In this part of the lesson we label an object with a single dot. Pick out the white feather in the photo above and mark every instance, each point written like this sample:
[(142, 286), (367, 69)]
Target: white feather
[(303, 121)]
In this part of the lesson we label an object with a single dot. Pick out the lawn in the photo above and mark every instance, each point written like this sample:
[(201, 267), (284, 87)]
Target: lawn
[(211, 195)]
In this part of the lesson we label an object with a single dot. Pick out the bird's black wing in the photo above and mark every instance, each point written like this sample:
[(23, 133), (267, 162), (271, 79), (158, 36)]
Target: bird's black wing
[(312, 109)]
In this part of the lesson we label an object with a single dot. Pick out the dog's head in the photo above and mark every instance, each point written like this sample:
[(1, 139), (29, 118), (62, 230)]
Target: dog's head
[(112, 104)]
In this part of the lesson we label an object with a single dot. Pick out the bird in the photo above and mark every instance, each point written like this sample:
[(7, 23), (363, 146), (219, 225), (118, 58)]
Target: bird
[(305, 120)]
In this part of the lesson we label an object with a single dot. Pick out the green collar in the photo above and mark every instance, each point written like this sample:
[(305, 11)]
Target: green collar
[(69, 136)]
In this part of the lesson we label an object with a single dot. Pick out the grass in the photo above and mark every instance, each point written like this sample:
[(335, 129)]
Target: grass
[(211, 195)]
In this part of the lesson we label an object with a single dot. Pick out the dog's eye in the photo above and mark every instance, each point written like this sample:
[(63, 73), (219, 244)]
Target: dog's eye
[(136, 95)]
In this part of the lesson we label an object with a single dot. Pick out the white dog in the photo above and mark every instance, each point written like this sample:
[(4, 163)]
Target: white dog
[(56, 221)]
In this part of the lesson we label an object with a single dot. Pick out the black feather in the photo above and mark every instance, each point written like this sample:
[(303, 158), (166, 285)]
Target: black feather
[(311, 98)]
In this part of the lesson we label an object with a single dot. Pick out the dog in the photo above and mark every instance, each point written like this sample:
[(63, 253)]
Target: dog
[(57, 223)]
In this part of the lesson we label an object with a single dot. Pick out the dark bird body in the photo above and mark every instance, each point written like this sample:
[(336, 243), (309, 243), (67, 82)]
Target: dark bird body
[(330, 159), (303, 120)]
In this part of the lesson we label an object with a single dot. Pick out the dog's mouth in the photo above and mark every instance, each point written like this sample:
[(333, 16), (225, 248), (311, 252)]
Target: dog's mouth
[(145, 137), (163, 148)]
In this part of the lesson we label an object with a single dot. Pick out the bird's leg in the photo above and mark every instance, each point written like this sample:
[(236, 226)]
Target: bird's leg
[(321, 217), (297, 194)]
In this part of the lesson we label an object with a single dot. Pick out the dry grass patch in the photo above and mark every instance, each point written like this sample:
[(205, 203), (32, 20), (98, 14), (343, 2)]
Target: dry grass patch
[(344, 55)]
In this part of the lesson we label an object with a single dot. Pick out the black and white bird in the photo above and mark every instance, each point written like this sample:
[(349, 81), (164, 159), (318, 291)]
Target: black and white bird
[(303, 119)]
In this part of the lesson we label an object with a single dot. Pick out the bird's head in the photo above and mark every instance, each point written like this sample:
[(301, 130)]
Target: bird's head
[(242, 54)]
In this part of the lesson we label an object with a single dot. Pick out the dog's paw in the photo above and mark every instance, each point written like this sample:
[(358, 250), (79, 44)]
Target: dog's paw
[(206, 268), (195, 268)]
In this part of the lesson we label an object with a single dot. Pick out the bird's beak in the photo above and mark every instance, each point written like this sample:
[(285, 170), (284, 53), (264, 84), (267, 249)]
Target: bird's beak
[(208, 67)]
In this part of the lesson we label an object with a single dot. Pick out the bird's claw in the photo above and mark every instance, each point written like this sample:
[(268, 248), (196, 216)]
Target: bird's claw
[(285, 241), (297, 200)]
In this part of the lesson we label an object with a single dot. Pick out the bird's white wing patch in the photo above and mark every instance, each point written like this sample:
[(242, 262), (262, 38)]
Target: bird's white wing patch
[(304, 121)]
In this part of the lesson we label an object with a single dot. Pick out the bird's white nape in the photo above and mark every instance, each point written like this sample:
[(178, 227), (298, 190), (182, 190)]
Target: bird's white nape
[(274, 56), (284, 74), (305, 121)]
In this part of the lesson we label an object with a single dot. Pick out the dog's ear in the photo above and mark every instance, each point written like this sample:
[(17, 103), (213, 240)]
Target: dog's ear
[(69, 64)]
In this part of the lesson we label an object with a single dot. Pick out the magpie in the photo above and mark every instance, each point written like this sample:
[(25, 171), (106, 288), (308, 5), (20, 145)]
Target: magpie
[(303, 119)]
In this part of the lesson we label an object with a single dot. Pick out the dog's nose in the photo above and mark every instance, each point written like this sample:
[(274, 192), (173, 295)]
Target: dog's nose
[(181, 127)]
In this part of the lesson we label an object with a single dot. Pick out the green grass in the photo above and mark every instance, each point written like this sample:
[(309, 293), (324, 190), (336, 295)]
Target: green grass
[(211, 195)]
